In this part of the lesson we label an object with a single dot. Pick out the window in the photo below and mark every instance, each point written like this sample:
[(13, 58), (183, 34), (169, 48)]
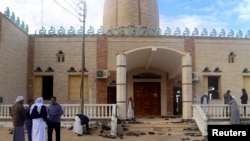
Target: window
[(146, 76), (74, 88), (43, 86), (47, 87), (60, 56), (212, 86)]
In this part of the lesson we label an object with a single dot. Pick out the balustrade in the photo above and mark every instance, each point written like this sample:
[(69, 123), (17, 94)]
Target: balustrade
[(93, 111)]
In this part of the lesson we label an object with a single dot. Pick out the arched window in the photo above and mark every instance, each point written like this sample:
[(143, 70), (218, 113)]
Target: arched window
[(60, 56)]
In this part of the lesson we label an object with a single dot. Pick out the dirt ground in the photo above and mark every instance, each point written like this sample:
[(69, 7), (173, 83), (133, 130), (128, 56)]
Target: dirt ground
[(96, 135)]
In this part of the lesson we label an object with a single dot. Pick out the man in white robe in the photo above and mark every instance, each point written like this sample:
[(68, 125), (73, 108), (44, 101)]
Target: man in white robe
[(235, 112), (80, 122), (130, 113), (204, 102), (38, 113)]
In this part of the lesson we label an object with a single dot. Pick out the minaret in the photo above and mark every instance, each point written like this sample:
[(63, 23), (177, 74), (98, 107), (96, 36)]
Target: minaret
[(124, 13)]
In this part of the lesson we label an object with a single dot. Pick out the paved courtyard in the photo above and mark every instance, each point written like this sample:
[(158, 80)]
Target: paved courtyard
[(69, 135)]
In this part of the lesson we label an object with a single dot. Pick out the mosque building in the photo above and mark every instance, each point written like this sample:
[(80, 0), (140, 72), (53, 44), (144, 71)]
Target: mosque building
[(128, 56)]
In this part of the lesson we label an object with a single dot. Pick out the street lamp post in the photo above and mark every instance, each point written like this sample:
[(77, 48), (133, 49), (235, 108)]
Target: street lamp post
[(83, 8)]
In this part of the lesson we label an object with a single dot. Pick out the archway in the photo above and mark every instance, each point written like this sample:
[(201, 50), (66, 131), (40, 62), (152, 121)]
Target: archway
[(170, 60)]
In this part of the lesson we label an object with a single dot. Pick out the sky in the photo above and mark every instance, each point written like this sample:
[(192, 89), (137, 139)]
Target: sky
[(209, 14)]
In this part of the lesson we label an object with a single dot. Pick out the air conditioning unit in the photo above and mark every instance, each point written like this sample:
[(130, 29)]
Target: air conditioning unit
[(102, 74), (195, 76)]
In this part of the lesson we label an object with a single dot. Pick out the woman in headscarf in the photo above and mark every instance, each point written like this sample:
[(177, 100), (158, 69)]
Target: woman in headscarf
[(38, 113)]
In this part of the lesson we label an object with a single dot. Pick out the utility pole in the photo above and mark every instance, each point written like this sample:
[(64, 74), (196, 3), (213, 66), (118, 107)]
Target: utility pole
[(83, 8)]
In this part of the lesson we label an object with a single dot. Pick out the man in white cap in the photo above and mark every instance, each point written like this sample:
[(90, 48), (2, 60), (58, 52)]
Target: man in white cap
[(18, 115)]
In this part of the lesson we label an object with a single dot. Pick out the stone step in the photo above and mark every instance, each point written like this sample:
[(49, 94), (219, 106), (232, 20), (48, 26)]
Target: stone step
[(174, 126)]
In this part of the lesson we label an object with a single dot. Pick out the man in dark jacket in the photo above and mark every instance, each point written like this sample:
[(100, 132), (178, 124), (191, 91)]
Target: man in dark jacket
[(80, 121), (18, 115), (227, 98), (28, 120), (244, 98)]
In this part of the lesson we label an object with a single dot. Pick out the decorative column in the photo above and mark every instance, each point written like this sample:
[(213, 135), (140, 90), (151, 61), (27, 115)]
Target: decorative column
[(121, 86), (186, 87)]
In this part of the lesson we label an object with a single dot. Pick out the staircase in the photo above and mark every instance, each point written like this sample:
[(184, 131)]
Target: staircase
[(170, 126)]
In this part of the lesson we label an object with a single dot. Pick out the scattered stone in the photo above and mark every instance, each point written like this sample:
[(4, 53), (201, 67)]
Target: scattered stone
[(151, 133), (123, 125), (70, 128), (125, 129), (161, 134), (132, 134)]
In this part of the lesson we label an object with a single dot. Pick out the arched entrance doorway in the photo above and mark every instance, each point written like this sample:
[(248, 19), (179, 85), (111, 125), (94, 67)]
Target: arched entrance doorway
[(171, 61)]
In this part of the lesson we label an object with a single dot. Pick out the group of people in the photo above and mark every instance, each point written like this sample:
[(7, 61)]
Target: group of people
[(233, 110), (35, 118)]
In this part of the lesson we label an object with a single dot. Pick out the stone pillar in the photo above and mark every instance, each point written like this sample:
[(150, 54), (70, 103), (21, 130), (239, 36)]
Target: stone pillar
[(121, 85), (186, 87)]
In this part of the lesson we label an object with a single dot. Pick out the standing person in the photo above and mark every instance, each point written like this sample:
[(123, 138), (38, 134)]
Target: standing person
[(227, 98), (39, 117), (28, 120), (235, 112), (130, 113), (18, 115), (244, 99), (205, 99), (80, 121), (55, 112), (204, 102), (196, 99)]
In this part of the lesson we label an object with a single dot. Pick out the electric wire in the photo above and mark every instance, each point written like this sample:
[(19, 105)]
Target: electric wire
[(70, 4), (66, 9)]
